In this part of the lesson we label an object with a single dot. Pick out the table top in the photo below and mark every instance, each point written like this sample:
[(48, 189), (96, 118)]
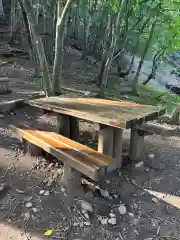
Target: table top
[(119, 114)]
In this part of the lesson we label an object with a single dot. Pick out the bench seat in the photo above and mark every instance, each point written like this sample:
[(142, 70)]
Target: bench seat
[(81, 158)]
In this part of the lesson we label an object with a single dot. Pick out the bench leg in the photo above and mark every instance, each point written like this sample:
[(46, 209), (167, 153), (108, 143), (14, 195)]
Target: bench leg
[(136, 145), (74, 129), (105, 140), (72, 179), (63, 125), (32, 149), (117, 146)]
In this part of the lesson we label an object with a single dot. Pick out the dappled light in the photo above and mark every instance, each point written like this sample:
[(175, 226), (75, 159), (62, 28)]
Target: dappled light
[(165, 197)]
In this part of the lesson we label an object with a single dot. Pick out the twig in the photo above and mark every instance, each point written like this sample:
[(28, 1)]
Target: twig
[(120, 235)]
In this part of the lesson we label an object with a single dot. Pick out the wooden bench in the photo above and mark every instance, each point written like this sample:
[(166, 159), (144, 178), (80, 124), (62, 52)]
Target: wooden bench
[(74, 155)]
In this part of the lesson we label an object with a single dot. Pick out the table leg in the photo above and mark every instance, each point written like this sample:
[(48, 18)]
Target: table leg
[(117, 146), (136, 145), (105, 140), (63, 125), (74, 129)]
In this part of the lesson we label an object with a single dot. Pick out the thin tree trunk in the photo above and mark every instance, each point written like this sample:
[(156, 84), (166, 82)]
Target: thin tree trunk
[(1, 9), (135, 84), (39, 46), (59, 44)]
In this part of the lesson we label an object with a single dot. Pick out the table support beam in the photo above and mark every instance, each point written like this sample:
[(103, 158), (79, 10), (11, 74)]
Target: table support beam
[(105, 140), (136, 149), (117, 146)]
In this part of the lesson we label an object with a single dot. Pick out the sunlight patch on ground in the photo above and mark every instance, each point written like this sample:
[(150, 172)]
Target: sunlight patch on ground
[(168, 198), (10, 232)]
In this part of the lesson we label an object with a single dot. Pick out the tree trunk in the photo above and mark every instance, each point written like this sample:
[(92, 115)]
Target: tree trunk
[(59, 45), (135, 84), (1, 9), (39, 46)]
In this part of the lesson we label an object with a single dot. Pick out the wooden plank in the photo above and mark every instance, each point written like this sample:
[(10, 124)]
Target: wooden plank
[(112, 113), (136, 148), (117, 147), (74, 129), (79, 157), (63, 125)]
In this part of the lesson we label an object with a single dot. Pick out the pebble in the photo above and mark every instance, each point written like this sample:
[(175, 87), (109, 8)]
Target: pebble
[(86, 206), (28, 204), (63, 189), (131, 214), (41, 192), (151, 156), (104, 193), (46, 193), (35, 210), (107, 181), (60, 171), (122, 209), (139, 164), (112, 221), (150, 238), (27, 216), (154, 200), (104, 221), (112, 215)]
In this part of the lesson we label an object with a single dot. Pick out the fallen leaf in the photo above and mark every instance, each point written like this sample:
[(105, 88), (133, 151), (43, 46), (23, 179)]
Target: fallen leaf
[(48, 233)]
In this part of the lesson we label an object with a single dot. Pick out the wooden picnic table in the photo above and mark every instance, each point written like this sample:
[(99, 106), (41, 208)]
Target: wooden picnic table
[(111, 116)]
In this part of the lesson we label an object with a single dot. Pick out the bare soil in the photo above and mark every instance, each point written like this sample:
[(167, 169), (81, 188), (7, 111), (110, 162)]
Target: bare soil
[(148, 214)]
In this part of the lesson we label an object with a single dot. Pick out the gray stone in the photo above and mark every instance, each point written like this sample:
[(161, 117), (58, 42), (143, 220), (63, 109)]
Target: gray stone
[(86, 206)]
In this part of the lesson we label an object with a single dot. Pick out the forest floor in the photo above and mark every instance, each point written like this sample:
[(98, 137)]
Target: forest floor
[(144, 198)]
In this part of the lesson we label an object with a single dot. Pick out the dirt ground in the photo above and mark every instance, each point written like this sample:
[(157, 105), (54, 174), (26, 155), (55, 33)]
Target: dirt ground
[(147, 215), (143, 198)]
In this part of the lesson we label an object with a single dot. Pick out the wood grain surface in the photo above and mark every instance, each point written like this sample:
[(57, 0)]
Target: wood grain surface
[(119, 114)]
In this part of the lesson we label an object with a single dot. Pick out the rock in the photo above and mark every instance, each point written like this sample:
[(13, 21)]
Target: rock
[(86, 206), (107, 181), (59, 171), (122, 209), (104, 193), (29, 204), (151, 156), (63, 189), (35, 210), (104, 221), (46, 193), (131, 214), (139, 164), (27, 216), (87, 93), (155, 200), (41, 192), (112, 221), (150, 238), (112, 215)]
